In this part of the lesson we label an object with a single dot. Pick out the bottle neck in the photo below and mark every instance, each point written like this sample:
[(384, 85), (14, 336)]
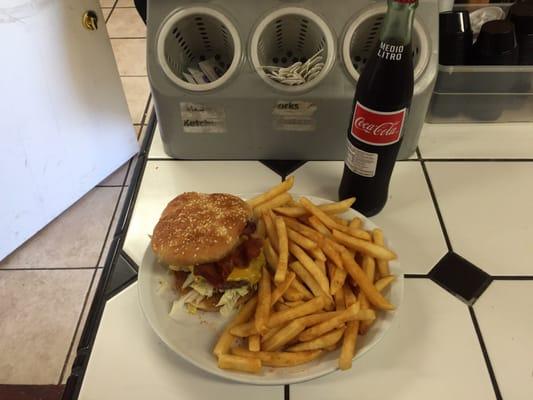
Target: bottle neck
[(398, 23)]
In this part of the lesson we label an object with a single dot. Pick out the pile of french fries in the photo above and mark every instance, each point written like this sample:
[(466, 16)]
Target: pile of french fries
[(320, 290)]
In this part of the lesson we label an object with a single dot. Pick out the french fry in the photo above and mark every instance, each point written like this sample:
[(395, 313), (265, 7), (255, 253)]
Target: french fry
[(226, 339), (369, 268), (349, 296), (271, 230), (283, 187), (304, 230), (339, 221), (319, 226), (329, 208), (283, 336), (279, 306), (373, 295), (322, 265), (281, 317), (317, 254), (290, 211), (364, 246), (245, 329), (349, 343), (339, 277), (337, 207), (282, 288), (260, 230), (337, 246), (264, 299), (301, 240), (331, 253), (271, 332), (294, 303), (308, 264), (308, 307), (277, 201), (321, 215), (310, 281), (321, 342), (270, 255), (300, 287), (279, 358), (313, 319), (365, 315), (254, 343), (384, 282), (355, 223), (331, 271), (283, 245), (383, 265), (291, 294), (339, 299), (360, 234), (238, 363), (318, 330)]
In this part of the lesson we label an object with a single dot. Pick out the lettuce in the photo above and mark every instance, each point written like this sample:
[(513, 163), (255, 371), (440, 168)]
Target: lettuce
[(203, 287), (230, 298)]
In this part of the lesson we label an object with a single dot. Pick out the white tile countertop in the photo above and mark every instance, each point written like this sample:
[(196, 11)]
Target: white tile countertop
[(459, 215)]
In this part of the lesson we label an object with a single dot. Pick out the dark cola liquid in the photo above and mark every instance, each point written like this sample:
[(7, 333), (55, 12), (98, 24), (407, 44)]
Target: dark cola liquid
[(385, 85)]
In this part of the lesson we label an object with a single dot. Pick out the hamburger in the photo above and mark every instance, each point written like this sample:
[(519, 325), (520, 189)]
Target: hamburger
[(208, 242)]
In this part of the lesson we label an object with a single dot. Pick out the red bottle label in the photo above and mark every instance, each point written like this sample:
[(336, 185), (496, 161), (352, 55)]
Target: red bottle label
[(377, 127)]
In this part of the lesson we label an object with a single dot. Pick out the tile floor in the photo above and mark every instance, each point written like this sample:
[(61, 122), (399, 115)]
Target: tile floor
[(47, 285)]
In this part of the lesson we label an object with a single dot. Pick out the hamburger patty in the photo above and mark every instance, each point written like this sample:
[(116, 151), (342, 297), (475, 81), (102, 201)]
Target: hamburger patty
[(216, 273)]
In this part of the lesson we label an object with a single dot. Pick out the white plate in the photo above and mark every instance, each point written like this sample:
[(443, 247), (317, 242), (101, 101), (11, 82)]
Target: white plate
[(193, 336)]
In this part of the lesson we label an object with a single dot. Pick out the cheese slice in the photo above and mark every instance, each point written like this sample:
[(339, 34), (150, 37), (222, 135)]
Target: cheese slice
[(252, 273)]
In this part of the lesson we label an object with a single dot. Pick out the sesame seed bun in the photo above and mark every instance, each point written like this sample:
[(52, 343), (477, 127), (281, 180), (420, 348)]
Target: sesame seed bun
[(197, 228)]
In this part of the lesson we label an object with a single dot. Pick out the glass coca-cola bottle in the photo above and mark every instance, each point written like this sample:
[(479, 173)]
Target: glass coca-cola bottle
[(380, 107)]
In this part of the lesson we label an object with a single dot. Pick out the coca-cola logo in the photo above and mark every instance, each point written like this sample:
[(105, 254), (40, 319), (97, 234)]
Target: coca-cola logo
[(384, 129), (375, 127)]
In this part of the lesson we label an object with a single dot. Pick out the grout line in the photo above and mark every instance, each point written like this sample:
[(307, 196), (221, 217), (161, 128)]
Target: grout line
[(436, 204), (109, 186), (111, 12), (512, 277), (416, 276), (477, 159), (127, 37), (91, 284), (134, 76), (485, 354), (71, 345), (45, 268)]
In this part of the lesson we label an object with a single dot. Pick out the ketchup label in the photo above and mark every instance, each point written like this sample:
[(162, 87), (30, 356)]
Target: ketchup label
[(377, 127)]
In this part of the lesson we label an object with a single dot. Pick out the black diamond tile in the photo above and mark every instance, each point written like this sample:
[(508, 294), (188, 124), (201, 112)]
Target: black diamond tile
[(283, 167), (124, 272), (460, 277)]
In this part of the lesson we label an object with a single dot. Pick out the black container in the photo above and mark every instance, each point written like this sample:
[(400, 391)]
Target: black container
[(521, 14), (496, 44), (455, 38)]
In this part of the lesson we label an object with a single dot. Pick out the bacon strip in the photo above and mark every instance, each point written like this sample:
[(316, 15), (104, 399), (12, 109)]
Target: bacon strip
[(217, 273)]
